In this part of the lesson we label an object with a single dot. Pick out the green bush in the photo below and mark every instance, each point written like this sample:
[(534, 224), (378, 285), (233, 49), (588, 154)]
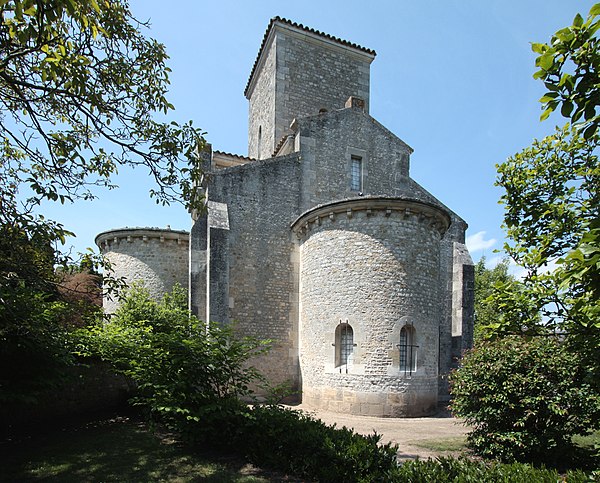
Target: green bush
[(449, 470), (299, 444), (189, 374), (525, 399)]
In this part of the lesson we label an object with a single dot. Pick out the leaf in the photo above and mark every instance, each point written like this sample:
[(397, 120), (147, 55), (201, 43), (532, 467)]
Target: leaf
[(578, 21), (546, 113), (566, 108), (538, 48), (545, 61), (595, 10), (590, 131), (549, 96)]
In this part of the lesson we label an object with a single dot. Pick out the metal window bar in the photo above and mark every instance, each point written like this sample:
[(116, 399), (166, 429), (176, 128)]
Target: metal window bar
[(346, 345), (408, 351)]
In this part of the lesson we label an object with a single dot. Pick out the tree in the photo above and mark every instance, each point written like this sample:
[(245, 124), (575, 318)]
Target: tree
[(569, 66), (33, 348), (80, 88), (552, 195), (486, 279), (526, 396)]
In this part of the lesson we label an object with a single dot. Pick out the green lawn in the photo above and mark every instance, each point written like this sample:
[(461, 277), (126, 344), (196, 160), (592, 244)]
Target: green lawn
[(453, 444), (120, 450)]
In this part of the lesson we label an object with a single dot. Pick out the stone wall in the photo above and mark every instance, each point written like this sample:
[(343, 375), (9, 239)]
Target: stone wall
[(374, 264), (156, 257), (86, 389), (262, 200), (298, 74), (316, 75), (328, 142), (261, 112)]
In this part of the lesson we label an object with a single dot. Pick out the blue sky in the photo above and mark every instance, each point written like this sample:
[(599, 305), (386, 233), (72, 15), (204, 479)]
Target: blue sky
[(452, 78)]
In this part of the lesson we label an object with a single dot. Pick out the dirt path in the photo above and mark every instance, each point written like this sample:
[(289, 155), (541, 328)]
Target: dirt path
[(406, 433)]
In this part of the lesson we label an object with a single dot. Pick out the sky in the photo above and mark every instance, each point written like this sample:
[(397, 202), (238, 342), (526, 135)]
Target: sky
[(452, 78)]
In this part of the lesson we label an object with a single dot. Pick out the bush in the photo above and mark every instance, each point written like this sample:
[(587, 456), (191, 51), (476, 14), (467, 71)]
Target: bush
[(525, 399), (299, 444), (445, 470), (306, 447), (189, 374)]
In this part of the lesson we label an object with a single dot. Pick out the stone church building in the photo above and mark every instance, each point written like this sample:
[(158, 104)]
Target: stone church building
[(320, 240)]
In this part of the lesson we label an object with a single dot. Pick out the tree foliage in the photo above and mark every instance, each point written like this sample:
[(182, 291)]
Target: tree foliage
[(487, 280), (569, 66), (33, 341), (81, 91), (552, 196), (80, 87), (524, 397)]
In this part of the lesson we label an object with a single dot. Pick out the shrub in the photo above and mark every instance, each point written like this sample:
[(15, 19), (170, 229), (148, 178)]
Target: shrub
[(445, 470), (299, 444), (524, 397), (188, 373)]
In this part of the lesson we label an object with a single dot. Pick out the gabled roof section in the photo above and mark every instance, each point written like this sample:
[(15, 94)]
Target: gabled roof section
[(299, 26)]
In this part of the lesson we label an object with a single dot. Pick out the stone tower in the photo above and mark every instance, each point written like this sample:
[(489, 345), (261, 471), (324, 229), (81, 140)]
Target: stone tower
[(156, 257), (299, 72)]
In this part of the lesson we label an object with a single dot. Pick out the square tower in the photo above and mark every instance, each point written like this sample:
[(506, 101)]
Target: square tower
[(300, 72)]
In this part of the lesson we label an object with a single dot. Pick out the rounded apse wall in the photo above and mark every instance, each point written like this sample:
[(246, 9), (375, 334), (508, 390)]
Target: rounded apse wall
[(370, 306), (157, 257)]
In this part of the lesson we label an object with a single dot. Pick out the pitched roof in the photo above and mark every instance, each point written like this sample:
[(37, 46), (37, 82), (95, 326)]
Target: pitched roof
[(299, 26)]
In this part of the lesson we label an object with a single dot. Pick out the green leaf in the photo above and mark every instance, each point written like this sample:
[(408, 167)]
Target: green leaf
[(578, 21), (590, 131), (545, 114), (549, 96), (595, 10), (538, 48), (545, 61), (566, 108)]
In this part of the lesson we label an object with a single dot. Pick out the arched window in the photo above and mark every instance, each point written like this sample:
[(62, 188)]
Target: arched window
[(408, 350), (344, 345)]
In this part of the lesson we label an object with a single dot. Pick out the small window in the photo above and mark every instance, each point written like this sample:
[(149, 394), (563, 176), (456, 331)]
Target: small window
[(259, 143), (356, 173), (344, 345), (408, 350)]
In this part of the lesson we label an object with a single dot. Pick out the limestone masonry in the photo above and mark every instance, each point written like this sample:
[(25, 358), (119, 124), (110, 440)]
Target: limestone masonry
[(321, 241)]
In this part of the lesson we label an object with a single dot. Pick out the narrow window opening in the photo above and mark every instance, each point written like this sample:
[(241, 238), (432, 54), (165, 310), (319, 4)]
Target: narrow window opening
[(356, 173), (344, 342), (258, 144), (408, 350)]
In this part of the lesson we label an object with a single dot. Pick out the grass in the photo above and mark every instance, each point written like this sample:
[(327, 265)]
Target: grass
[(588, 441), (443, 445), (119, 449)]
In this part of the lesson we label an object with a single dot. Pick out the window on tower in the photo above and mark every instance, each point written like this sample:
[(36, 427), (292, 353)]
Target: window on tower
[(344, 345), (408, 350), (356, 173)]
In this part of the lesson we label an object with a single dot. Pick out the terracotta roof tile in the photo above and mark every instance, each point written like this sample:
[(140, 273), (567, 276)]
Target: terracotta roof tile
[(278, 19), (223, 153)]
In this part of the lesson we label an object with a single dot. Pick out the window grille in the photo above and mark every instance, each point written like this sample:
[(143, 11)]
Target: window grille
[(408, 350), (344, 345)]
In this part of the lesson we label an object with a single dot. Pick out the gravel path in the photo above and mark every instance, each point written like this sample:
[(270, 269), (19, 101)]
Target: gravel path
[(406, 433)]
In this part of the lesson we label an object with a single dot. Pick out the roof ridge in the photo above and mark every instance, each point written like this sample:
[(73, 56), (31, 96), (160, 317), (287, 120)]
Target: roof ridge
[(218, 151), (306, 29)]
